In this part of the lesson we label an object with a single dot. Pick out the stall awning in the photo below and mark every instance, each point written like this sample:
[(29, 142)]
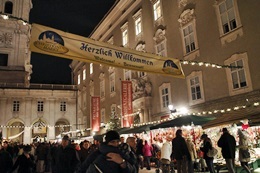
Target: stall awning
[(184, 120), (252, 114)]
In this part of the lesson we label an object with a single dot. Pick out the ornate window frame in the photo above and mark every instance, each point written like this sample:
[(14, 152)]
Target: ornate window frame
[(232, 34), (193, 75), (160, 40), (138, 25), (125, 34), (162, 96), (188, 19), (240, 90)]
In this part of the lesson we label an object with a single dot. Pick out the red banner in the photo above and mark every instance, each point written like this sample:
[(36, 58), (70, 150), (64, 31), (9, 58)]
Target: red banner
[(127, 108), (95, 103)]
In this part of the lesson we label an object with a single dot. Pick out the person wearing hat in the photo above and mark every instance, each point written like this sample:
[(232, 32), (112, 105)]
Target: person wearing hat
[(6, 161), (228, 144), (206, 146), (65, 158), (25, 162), (108, 158)]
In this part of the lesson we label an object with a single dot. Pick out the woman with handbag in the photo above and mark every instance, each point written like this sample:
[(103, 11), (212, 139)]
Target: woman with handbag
[(207, 145), (244, 155)]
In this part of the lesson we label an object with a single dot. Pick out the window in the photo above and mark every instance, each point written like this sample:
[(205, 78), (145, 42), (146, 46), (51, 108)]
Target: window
[(161, 48), (227, 14), (189, 35), (63, 106), (112, 82), (40, 106), (16, 106), (160, 42), (128, 74), (239, 80), (157, 11), (195, 87), (229, 22), (84, 74), (189, 39), (3, 59), (8, 7), (138, 24), (91, 68), (124, 30), (165, 95), (78, 79)]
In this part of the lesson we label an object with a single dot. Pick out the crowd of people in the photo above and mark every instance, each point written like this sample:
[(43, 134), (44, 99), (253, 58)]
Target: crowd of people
[(119, 155)]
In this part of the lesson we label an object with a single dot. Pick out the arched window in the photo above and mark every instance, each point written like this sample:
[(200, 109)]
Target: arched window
[(8, 7)]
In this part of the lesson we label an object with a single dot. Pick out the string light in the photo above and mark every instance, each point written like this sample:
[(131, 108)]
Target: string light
[(207, 64), (10, 17)]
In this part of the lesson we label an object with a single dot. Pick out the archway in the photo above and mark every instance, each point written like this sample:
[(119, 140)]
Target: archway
[(15, 131), (61, 126), (39, 131)]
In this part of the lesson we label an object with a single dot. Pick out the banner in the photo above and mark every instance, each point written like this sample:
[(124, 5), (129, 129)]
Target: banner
[(46, 40), (95, 105), (127, 108)]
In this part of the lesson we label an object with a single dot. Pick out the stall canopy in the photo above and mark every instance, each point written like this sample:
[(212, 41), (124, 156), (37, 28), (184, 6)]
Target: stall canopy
[(140, 129), (184, 120), (234, 117)]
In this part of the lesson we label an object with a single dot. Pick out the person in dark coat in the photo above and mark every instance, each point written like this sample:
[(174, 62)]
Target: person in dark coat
[(65, 157), (228, 144), (180, 152), (207, 145), (84, 150), (25, 162), (131, 141), (108, 158), (6, 162)]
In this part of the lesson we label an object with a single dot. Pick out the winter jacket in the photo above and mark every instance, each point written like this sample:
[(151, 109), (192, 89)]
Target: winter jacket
[(147, 150), (65, 160), (99, 158), (207, 145), (228, 144), (180, 149)]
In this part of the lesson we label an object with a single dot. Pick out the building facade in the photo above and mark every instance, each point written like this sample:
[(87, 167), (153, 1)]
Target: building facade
[(29, 112), (216, 41)]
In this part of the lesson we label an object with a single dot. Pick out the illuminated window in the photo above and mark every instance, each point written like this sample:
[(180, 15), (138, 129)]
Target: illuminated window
[(40, 106), (63, 106), (112, 82), (161, 48), (84, 74), (138, 23), (16, 106), (78, 79), (124, 30), (91, 68), (157, 10)]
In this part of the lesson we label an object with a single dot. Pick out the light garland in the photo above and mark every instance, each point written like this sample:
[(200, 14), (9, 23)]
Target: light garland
[(207, 64), (49, 126), (200, 113), (9, 17)]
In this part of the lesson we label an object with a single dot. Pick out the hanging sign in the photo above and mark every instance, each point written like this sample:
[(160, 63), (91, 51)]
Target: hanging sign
[(50, 41), (127, 107), (95, 104)]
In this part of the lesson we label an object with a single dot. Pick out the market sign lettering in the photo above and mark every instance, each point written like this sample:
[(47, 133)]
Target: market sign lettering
[(50, 41)]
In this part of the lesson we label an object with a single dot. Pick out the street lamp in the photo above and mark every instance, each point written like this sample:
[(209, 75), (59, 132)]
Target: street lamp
[(171, 108)]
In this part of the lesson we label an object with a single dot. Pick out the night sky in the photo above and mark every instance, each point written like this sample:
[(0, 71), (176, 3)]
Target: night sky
[(77, 17)]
